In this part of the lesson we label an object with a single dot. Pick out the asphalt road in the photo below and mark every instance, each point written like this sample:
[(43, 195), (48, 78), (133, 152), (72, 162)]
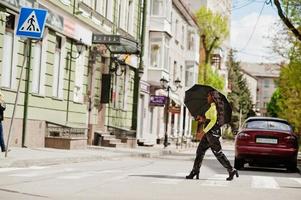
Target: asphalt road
[(147, 178)]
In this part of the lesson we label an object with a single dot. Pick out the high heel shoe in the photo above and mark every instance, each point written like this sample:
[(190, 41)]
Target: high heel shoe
[(231, 175), (192, 174)]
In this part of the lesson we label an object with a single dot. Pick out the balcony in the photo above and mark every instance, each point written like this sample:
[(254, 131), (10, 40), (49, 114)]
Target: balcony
[(155, 74), (160, 24)]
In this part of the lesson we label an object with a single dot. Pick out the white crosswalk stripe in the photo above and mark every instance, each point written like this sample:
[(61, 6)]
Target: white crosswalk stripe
[(298, 180), (156, 177), (218, 180), (264, 182)]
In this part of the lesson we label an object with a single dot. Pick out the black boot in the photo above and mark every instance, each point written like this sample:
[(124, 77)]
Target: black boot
[(231, 174), (192, 174)]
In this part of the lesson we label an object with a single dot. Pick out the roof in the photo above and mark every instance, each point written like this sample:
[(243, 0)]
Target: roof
[(261, 69)]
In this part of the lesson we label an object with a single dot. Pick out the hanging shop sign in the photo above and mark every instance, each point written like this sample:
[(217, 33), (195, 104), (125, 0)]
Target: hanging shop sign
[(157, 100), (117, 44)]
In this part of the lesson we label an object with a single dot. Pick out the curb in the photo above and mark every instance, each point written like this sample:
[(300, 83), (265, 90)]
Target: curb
[(115, 153)]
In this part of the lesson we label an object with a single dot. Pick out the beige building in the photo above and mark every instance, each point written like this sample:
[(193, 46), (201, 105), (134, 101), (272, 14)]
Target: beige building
[(266, 74)]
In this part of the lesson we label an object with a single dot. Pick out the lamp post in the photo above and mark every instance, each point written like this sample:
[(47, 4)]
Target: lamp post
[(164, 84), (79, 47)]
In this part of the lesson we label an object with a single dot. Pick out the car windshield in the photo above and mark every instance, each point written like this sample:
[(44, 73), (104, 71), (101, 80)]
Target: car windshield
[(269, 125)]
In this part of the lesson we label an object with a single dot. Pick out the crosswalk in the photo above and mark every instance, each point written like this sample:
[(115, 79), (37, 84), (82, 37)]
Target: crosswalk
[(155, 177)]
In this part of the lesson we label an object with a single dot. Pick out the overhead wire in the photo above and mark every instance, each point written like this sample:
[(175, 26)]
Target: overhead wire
[(254, 28)]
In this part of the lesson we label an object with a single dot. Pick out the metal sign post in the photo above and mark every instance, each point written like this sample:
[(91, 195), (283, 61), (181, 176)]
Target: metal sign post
[(31, 26)]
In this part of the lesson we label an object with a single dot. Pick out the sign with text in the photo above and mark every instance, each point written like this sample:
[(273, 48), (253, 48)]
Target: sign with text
[(157, 100)]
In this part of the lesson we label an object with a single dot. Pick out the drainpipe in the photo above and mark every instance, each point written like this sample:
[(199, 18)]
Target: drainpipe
[(141, 66)]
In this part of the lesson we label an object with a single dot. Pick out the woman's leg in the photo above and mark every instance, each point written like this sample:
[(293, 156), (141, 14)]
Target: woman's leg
[(2, 144), (215, 145), (200, 153)]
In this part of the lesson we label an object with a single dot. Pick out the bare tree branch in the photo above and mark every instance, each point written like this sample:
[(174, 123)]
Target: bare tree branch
[(286, 21)]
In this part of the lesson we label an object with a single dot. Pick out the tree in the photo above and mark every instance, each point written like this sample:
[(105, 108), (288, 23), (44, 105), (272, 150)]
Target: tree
[(293, 7), (240, 96), (274, 106), (289, 81), (213, 31), (290, 88)]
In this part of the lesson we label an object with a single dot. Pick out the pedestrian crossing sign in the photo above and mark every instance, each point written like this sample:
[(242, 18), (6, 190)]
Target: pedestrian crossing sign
[(31, 23)]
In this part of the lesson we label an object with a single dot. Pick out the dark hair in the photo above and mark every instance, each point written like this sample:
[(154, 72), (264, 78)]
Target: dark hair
[(219, 106)]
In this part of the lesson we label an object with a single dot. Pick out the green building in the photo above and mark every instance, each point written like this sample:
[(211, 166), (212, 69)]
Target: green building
[(75, 93)]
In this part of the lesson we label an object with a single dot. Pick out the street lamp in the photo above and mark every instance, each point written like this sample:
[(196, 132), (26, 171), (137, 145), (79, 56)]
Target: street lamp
[(164, 84)]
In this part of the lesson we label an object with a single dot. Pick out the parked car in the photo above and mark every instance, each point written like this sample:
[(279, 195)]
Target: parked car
[(266, 140)]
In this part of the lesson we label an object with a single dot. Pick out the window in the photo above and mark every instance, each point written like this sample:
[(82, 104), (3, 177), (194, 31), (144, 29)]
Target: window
[(79, 78), (90, 3), (181, 73), (266, 83), (270, 125), (10, 59), (101, 7), (189, 75), (115, 91), (183, 35), (109, 9), (39, 66), (174, 71), (58, 68), (190, 41), (176, 30), (166, 54), (130, 17), (155, 55), (157, 7)]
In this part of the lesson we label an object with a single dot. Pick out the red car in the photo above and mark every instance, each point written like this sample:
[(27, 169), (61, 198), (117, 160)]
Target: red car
[(266, 140)]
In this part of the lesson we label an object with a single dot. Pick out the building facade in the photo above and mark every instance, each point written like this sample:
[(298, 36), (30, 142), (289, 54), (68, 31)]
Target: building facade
[(171, 52), (266, 75), (66, 89)]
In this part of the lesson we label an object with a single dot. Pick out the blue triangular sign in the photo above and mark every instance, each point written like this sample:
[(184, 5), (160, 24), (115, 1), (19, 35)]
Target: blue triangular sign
[(31, 23)]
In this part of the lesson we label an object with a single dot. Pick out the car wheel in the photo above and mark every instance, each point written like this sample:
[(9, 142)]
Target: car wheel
[(292, 167), (238, 163)]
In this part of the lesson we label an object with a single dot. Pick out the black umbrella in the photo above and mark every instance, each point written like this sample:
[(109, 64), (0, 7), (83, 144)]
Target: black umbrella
[(197, 103)]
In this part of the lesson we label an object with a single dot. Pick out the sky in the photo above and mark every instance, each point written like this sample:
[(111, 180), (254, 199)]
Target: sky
[(250, 30)]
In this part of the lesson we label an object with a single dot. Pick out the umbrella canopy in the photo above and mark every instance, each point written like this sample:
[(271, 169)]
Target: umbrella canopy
[(197, 103)]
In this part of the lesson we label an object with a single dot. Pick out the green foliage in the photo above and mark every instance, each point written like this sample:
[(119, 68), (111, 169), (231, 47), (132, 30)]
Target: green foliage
[(274, 106), (287, 104), (290, 88), (240, 96), (212, 25), (213, 79), (293, 10)]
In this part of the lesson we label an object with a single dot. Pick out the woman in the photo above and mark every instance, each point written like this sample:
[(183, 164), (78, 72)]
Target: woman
[(2, 108), (211, 138)]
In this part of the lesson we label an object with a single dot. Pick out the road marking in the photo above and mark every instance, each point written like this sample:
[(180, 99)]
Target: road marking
[(264, 182), (9, 169), (33, 174), (75, 176), (217, 180), (298, 180)]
